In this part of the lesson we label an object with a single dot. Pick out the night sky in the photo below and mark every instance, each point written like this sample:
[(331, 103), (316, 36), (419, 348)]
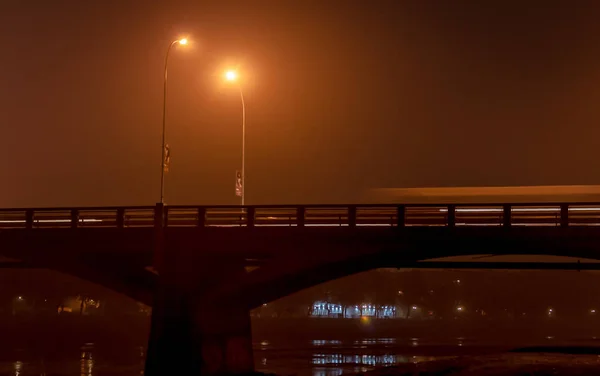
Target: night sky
[(342, 96)]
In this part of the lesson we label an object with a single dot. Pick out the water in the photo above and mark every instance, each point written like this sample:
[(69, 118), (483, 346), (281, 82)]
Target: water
[(332, 357), (315, 357), (336, 357), (88, 360)]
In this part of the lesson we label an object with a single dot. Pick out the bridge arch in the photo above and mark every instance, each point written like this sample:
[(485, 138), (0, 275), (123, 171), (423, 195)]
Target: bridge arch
[(138, 285), (283, 277)]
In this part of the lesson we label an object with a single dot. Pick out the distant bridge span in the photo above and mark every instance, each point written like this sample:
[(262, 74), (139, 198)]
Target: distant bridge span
[(471, 195)]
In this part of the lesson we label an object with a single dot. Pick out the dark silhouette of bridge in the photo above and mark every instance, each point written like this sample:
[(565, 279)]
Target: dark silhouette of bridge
[(192, 264)]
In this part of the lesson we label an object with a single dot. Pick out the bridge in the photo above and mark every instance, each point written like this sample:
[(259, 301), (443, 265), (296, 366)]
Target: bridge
[(202, 268)]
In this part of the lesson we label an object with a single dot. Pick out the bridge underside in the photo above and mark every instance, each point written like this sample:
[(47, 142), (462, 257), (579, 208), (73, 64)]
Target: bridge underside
[(144, 292), (314, 256), (290, 258), (204, 268)]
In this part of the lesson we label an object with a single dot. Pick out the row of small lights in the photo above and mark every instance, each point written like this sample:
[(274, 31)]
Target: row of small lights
[(20, 299), (462, 309), (551, 311), (456, 281)]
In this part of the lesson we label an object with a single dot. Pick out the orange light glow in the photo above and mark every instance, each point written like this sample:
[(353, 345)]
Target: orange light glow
[(230, 75), (183, 41)]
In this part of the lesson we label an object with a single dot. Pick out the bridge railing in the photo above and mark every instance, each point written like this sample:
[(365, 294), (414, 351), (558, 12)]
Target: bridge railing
[(539, 215)]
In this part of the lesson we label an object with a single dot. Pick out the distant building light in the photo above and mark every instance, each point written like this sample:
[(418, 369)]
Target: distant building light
[(414, 307)]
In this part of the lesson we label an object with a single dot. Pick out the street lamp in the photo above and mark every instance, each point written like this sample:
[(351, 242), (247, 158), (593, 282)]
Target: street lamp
[(232, 76), (163, 163)]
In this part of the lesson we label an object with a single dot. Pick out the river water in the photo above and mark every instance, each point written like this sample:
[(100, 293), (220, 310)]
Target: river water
[(315, 357)]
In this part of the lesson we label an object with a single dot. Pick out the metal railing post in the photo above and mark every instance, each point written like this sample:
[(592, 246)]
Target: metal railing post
[(300, 216), (29, 219), (507, 215), (120, 218), (352, 216), (564, 215), (201, 216), (159, 237), (250, 216), (401, 216), (451, 215), (74, 218)]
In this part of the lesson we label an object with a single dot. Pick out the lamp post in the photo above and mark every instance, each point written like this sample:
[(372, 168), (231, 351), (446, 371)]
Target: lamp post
[(163, 163), (232, 76)]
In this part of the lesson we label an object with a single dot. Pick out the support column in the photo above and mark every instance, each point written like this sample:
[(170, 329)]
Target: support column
[(170, 346), (170, 350), (191, 336), (225, 338), (222, 329)]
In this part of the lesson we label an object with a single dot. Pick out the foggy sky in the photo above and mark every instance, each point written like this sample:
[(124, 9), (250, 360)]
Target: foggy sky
[(342, 96)]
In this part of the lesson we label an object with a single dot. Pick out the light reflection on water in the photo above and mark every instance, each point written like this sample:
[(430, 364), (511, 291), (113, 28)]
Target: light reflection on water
[(87, 363), (75, 363), (317, 357), (367, 360), (18, 368), (374, 341), (335, 357)]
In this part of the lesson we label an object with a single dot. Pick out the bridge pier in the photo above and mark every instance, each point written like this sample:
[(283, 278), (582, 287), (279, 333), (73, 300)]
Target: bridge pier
[(225, 339), (192, 336)]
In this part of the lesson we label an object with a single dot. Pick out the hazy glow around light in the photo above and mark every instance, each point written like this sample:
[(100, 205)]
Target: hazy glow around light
[(183, 41), (231, 75)]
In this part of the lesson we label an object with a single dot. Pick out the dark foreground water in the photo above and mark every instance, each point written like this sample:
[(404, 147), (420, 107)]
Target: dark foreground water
[(284, 357), (75, 346)]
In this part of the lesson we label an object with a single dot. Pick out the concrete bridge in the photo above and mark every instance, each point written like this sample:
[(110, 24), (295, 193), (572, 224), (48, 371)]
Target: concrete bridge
[(192, 263)]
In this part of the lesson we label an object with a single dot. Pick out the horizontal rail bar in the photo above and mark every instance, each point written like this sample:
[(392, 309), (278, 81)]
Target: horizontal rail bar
[(63, 208)]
